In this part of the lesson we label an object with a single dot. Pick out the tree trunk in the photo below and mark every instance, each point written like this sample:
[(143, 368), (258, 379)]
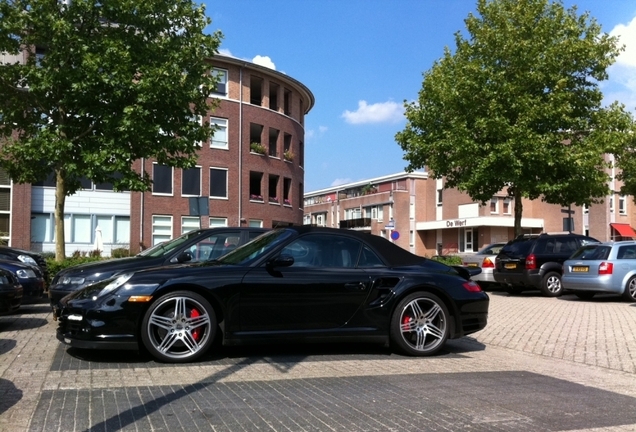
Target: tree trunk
[(60, 200), (518, 213)]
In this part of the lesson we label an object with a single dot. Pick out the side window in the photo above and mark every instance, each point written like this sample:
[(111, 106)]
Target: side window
[(627, 252), (320, 250), (214, 246), (568, 246), (368, 258)]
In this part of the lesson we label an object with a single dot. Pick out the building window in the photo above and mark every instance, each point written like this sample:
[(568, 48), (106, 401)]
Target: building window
[(221, 85), (256, 132), (321, 219), (287, 191), (494, 205), (272, 192), (81, 228), (218, 183), (273, 142), (622, 205), (219, 138), (438, 197), (161, 229), (301, 191), (273, 96), (353, 213), (256, 180), (507, 207), (287, 102), (218, 222), (190, 223), (287, 150), (307, 219), (191, 182), (161, 179), (256, 91), (255, 223)]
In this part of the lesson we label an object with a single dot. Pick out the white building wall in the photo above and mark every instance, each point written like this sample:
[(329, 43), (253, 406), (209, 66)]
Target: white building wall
[(84, 212)]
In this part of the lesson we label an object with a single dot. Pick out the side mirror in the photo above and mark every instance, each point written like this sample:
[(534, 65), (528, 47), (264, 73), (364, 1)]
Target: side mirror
[(281, 261), (184, 256)]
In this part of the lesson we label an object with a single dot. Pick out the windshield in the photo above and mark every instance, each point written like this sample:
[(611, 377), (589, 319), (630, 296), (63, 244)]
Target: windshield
[(255, 249), (167, 247)]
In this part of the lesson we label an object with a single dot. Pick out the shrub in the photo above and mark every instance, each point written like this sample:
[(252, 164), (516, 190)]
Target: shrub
[(450, 260), (120, 253)]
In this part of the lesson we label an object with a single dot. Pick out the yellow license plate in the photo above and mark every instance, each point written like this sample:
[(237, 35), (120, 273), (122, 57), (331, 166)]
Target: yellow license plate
[(510, 266), (471, 265), (580, 269)]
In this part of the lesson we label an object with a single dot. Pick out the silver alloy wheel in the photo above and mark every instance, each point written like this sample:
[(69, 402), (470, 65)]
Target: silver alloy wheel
[(553, 284), (631, 287), (179, 327), (423, 324)]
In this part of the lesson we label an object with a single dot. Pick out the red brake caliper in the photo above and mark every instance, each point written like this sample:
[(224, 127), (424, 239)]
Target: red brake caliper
[(406, 319), (196, 333)]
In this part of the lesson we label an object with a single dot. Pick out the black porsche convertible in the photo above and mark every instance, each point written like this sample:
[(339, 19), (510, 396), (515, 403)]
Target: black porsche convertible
[(291, 284)]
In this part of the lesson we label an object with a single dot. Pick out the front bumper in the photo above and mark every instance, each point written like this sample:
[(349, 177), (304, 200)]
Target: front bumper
[(10, 301)]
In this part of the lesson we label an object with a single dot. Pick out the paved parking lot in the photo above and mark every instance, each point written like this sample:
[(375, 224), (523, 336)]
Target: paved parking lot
[(541, 364)]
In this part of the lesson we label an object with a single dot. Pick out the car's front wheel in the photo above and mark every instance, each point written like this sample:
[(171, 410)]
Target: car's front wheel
[(630, 290), (178, 327), (551, 284), (420, 324)]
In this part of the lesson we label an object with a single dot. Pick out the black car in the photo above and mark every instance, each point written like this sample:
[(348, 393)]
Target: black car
[(534, 262), (193, 246), (10, 292), (290, 284), (26, 257), (30, 277)]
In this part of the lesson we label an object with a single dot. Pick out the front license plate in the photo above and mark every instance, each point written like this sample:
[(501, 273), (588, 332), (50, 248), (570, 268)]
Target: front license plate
[(580, 269), (510, 266), (471, 265)]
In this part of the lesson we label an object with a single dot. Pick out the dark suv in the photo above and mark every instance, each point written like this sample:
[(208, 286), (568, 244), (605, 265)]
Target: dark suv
[(535, 261), (194, 246)]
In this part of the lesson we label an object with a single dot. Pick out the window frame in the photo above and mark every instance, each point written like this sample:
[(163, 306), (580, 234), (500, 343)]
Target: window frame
[(219, 169)]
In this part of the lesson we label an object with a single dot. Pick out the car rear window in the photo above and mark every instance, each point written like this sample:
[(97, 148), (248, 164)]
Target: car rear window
[(517, 248), (592, 252)]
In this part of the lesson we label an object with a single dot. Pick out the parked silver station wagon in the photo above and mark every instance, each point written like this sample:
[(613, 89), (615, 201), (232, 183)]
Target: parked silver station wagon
[(602, 268)]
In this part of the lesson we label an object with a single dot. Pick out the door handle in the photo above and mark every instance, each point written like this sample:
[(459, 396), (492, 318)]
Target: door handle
[(355, 286)]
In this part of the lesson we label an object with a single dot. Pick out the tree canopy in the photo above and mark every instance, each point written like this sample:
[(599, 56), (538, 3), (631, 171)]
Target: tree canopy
[(517, 106), (87, 87)]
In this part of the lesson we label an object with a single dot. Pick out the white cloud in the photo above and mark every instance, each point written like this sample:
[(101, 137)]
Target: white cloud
[(311, 133), (386, 112), (621, 85), (264, 61), (626, 36), (225, 52), (340, 181)]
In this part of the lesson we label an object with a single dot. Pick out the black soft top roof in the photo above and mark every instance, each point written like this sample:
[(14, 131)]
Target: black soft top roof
[(392, 254)]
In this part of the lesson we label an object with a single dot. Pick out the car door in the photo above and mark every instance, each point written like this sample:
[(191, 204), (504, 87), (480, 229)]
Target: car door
[(321, 290)]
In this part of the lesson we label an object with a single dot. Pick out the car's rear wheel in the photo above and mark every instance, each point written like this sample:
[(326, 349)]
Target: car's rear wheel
[(585, 295), (551, 284), (630, 290), (420, 324), (179, 327)]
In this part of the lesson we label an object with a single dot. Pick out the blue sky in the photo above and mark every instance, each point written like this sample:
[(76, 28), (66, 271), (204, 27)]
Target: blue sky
[(362, 58)]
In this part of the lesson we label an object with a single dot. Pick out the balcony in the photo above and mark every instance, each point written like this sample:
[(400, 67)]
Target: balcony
[(356, 223)]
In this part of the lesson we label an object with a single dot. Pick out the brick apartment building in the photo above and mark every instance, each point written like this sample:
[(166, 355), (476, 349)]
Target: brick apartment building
[(418, 214), (231, 185)]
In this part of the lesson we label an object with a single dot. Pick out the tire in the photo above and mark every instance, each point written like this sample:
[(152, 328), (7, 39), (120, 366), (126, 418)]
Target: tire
[(420, 324), (551, 284), (630, 290), (178, 327), (585, 295)]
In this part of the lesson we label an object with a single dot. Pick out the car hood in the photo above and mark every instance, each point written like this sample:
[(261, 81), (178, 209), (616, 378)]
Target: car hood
[(112, 265)]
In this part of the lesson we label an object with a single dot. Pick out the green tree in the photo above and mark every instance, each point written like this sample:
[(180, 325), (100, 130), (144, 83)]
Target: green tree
[(513, 107), (102, 83)]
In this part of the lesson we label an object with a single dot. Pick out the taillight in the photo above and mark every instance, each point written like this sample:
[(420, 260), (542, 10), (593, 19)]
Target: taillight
[(471, 286), (605, 268), (531, 262), (487, 263)]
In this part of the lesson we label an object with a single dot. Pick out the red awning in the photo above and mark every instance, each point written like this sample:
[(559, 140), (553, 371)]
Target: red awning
[(624, 230)]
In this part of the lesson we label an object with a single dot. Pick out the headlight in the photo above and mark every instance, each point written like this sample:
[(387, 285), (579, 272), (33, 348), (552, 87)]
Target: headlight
[(116, 283), (25, 274), (70, 280), (27, 259)]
